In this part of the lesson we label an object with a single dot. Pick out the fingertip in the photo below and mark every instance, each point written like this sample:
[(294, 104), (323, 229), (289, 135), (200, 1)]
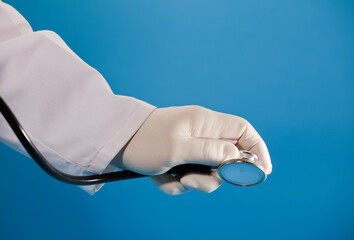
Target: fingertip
[(261, 150), (168, 184), (205, 183), (270, 169)]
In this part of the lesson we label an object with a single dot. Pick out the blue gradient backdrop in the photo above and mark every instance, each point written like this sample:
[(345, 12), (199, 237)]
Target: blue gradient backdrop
[(286, 66)]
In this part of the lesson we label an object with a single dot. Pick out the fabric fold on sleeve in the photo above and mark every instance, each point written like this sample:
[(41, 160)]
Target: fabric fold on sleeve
[(66, 106)]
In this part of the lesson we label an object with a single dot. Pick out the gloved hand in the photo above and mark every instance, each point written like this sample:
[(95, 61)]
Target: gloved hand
[(189, 134)]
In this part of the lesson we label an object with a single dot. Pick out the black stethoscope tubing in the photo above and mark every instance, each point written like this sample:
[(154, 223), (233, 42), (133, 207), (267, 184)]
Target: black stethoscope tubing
[(80, 180)]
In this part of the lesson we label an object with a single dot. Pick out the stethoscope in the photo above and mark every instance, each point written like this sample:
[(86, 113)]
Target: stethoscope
[(243, 171)]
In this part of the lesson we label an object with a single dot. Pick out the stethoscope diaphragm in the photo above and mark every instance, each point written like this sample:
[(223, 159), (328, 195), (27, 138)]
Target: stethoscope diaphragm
[(242, 171)]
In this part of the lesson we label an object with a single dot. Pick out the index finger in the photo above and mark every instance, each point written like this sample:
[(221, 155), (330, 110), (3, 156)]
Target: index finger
[(230, 127), (251, 141)]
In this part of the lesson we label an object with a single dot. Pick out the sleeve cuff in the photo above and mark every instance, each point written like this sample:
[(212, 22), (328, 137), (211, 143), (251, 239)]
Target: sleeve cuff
[(101, 163)]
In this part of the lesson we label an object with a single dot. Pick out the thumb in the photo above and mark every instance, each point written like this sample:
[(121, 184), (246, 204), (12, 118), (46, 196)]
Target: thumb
[(208, 151)]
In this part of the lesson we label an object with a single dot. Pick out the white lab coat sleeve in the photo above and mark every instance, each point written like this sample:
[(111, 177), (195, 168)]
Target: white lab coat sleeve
[(65, 105)]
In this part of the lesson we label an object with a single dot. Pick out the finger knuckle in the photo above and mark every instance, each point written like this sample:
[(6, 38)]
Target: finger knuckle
[(196, 109), (244, 122)]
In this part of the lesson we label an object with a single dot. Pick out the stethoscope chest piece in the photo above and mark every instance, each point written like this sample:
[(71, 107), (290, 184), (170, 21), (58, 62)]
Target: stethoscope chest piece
[(243, 171)]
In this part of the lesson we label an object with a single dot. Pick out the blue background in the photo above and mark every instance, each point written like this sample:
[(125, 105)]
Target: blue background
[(286, 66)]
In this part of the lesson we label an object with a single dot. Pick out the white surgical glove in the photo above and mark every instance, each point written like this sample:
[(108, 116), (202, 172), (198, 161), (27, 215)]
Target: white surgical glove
[(189, 134)]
